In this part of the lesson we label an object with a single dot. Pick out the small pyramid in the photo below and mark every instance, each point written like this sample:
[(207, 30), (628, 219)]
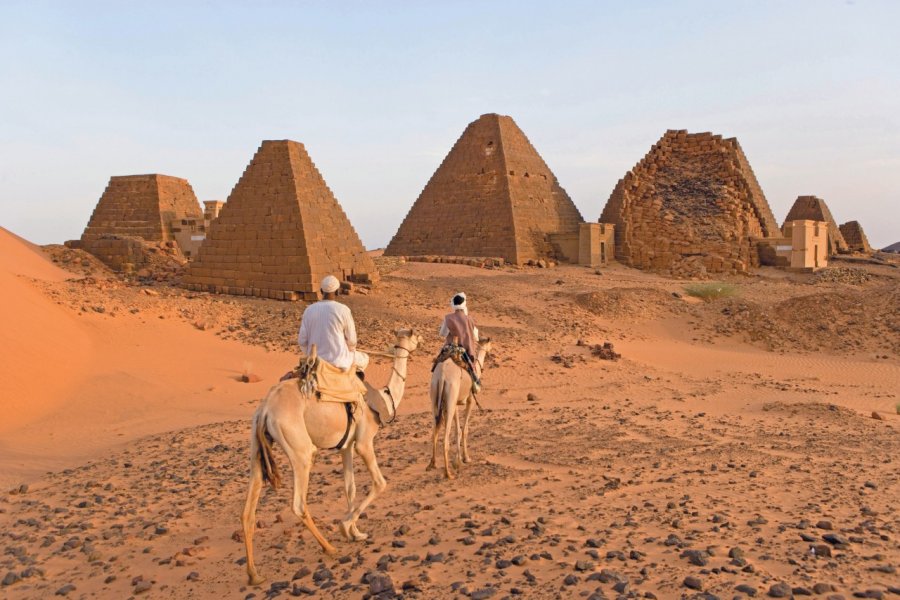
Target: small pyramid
[(693, 201), (492, 196), (811, 208), (142, 206), (855, 237), (280, 232)]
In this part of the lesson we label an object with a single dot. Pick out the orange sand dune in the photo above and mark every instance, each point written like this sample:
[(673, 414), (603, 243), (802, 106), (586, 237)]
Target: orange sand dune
[(75, 385), (42, 346)]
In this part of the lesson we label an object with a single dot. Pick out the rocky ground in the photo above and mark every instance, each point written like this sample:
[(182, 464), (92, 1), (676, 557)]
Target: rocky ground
[(699, 464)]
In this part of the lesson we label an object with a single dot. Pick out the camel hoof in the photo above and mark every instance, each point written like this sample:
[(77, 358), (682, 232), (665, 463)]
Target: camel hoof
[(430, 466), (450, 475), (330, 550), (256, 580), (359, 536), (467, 460), (345, 529)]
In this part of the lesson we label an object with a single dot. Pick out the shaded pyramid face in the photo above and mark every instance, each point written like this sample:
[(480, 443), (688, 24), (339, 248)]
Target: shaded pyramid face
[(143, 206), (280, 232), (492, 196), (692, 199), (811, 208)]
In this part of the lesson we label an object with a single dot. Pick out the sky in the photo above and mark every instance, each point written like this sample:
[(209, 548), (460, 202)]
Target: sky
[(379, 91)]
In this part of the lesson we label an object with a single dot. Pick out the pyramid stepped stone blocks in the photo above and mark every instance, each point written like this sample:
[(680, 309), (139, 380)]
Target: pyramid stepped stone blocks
[(492, 196), (855, 237), (279, 233), (136, 208), (811, 208), (691, 206)]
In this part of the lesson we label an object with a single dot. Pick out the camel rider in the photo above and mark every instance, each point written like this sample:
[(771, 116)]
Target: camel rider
[(460, 326), (329, 325)]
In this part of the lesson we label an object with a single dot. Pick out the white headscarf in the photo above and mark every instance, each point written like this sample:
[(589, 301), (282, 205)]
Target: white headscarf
[(330, 284), (461, 306)]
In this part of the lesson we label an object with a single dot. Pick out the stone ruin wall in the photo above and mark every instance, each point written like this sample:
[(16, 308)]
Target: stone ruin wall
[(492, 195), (691, 206), (280, 232), (855, 237), (134, 215), (811, 208)]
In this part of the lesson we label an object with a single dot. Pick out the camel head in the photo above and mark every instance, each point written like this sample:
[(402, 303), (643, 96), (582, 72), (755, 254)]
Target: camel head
[(486, 345), (413, 339)]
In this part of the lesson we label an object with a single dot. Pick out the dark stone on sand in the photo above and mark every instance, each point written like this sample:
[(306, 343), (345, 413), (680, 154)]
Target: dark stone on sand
[(746, 589), (780, 590), (380, 583), (65, 590), (692, 582), (801, 591), (822, 588), (570, 580), (482, 594), (584, 565), (835, 539), (10, 578), (696, 557)]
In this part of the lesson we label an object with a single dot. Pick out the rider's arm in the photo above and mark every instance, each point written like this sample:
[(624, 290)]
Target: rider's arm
[(350, 331), (303, 336), (444, 331)]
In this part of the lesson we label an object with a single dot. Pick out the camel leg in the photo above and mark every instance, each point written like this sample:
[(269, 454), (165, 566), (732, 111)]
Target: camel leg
[(248, 517), (449, 415), (302, 465), (458, 462), (349, 487), (367, 453), (465, 434), (436, 391)]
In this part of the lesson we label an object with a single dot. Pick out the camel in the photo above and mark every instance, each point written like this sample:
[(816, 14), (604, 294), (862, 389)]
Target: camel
[(302, 425), (451, 387)]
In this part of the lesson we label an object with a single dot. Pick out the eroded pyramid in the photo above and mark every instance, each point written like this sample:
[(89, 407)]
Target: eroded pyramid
[(855, 237), (692, 203), (493, 195), (142, 206), (811, 208), (280, 232)]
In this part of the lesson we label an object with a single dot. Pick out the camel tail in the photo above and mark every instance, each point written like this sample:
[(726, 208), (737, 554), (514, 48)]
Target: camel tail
[(264, 452), (442, 396)]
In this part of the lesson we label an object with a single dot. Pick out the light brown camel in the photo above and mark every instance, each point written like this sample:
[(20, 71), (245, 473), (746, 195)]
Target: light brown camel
[(451, 387), (302, 425)]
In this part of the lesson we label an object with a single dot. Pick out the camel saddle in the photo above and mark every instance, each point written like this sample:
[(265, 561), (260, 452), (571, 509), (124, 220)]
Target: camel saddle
[(327, 382), (454, 352)]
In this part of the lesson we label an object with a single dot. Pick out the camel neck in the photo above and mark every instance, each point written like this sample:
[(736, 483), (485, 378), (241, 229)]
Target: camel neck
[(397, 383)]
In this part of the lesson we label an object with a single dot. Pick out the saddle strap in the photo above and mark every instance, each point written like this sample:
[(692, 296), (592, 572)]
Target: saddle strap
[(349, 407)]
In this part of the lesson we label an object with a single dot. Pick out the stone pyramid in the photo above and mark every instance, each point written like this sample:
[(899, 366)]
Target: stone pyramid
[(855, 237), (492, 196), (142, 206), (691, 205), (280, 232), (811, 208)]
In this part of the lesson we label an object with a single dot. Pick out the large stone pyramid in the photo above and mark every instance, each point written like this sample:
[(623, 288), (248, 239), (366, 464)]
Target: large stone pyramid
[(493, 195), (142, 206), (855, 237), (811, 208), (280, 232), (691, 205)]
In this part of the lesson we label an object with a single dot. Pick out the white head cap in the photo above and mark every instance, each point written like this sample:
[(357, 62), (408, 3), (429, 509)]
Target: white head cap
[(458, 302), (330, 284)]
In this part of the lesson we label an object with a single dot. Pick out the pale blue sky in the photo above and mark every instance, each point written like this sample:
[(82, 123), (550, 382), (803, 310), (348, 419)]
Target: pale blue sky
[(379, 92)]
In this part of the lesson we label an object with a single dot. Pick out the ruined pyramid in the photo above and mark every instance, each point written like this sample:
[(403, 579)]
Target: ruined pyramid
[(280, 232), (811, 208), (492, 196), (855, 237), (692, 205), (133, 211), (142, 206)]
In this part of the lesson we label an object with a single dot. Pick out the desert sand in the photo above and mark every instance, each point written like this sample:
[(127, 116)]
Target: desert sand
[(732, 450)]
